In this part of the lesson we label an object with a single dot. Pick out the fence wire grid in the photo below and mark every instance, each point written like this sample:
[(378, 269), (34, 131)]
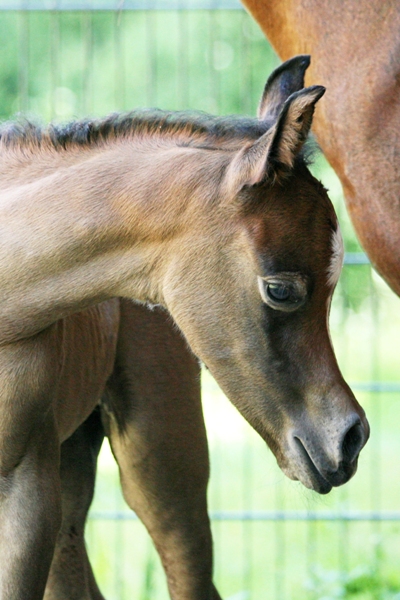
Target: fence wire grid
[(273, 539)]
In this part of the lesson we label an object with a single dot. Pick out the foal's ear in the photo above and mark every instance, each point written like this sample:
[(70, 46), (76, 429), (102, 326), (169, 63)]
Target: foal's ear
[(274, 152), (292, 127), (282, 83)]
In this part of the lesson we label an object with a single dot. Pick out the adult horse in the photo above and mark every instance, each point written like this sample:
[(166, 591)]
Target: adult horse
[(218, 220), (355, 50)]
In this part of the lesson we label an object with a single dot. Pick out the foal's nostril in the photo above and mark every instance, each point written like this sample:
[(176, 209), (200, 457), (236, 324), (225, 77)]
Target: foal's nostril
[(352, 442)]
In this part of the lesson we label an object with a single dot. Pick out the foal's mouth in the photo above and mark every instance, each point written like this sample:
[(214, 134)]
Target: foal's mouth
[(322, 482), (317, 481)]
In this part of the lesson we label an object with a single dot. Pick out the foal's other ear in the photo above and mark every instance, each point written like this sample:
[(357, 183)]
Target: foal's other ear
[(282, 83), (274, 152)]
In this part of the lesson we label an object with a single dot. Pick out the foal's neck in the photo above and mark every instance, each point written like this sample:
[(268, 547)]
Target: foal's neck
[(93, 229)]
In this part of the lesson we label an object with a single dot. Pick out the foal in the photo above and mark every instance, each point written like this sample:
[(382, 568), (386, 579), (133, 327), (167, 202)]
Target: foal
[(219, 221)]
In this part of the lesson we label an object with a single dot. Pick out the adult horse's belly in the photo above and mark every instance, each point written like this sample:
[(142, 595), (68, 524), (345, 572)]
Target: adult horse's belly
[(87, 352)]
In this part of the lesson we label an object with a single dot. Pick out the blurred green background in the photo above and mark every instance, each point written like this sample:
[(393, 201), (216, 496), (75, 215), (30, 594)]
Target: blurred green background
[(273, 538)]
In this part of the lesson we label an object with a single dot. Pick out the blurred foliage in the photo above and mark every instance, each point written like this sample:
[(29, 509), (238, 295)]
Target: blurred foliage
[(64, 64), (363, 583)]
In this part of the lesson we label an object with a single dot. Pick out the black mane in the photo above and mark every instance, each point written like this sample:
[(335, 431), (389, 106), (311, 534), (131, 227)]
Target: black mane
[(192, 128)]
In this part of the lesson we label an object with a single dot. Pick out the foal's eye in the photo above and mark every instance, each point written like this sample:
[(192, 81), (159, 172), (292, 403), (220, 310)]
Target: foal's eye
[(278, 292), (286, 291)]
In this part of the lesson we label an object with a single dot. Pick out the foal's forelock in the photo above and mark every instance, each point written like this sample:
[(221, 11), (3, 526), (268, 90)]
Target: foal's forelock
[(336, 263)]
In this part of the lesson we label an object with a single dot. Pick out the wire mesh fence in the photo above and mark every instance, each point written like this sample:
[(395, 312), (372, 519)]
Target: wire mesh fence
[(273, 539)]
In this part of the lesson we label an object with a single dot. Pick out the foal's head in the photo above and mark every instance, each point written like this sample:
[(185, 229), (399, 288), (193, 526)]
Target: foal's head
[(251, 288)]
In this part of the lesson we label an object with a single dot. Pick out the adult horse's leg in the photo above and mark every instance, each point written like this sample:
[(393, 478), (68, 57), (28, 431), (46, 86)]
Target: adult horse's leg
[(30, 503), (71, 576), (154, 420)]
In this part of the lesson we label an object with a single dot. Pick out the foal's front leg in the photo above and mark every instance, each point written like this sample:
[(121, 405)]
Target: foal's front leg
[(30, 505), (154, 420), (71, 576)]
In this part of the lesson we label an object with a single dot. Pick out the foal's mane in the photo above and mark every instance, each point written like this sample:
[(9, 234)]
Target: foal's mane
[(184, 128)]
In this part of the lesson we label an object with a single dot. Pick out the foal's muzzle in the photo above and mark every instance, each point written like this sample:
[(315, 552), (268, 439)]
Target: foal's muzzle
[(326, 462)]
